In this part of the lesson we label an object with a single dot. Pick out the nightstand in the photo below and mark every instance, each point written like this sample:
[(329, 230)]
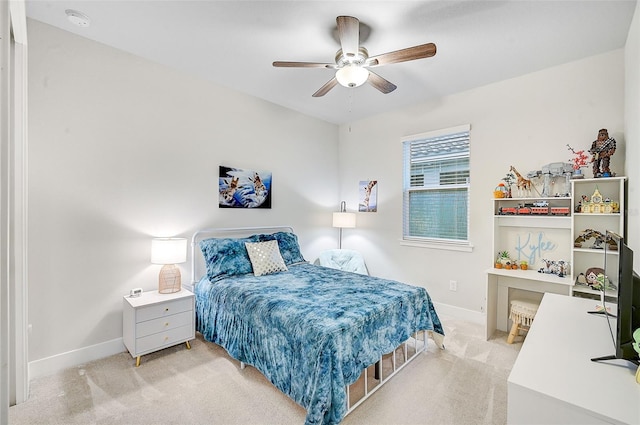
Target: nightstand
[(155, 321)]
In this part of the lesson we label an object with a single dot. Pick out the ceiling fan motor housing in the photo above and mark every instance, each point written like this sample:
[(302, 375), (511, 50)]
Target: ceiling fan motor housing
[(358, 59)]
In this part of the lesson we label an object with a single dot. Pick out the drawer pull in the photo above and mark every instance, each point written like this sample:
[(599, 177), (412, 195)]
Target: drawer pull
[(166, 338), (166, 324), (166, 309)]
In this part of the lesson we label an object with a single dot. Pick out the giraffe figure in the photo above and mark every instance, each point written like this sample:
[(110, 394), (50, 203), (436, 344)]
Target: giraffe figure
[(523, 185)]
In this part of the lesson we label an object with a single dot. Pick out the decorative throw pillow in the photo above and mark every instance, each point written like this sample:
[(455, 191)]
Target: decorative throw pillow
[(226, 257), (265, 257), (288, 245)]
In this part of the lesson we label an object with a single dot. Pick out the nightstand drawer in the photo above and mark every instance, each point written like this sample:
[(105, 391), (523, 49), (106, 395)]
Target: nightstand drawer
[(164, 323), (154, 321), (155, 311), (164, 339)]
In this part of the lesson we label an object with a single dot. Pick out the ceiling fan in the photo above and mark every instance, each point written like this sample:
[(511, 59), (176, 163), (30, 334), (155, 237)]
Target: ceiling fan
[(352, 61)]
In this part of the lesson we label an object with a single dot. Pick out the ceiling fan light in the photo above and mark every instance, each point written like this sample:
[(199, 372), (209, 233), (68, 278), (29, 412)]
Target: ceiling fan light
[(352, 75)]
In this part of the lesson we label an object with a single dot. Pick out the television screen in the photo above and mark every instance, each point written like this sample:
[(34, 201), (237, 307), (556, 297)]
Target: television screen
[(618, 267)]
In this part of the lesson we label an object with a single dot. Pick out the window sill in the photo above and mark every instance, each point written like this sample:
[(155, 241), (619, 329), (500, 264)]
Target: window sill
[(448, 246)]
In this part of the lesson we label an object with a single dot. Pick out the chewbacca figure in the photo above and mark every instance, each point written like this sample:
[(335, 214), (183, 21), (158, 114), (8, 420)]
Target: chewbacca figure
[(602, 149)]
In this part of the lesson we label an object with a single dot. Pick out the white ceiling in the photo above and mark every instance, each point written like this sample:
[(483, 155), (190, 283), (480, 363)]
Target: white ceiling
[(233, 43)]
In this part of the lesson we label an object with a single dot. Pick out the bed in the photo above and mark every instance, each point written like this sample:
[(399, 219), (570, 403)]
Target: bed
[(325, 337)]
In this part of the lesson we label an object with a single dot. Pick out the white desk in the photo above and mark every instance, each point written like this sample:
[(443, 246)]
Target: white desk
[(554, 381), (500, 282)]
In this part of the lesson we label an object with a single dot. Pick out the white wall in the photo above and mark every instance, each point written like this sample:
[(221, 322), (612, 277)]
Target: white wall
[(122, 150), (632, 132), (5, 137), (13, 139), (525, 122)]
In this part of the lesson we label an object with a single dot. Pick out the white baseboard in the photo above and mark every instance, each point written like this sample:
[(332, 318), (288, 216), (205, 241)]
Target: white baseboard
[(461, 313), (53, 364)]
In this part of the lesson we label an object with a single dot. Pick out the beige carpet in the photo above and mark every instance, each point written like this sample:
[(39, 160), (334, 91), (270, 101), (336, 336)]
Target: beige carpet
[(464, 384)]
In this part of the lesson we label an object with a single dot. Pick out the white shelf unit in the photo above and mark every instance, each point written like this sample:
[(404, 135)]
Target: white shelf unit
[(537, 237), (582, 258), (530, 237)]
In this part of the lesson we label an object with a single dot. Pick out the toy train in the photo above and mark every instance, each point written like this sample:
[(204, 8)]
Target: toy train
[(537, 208)]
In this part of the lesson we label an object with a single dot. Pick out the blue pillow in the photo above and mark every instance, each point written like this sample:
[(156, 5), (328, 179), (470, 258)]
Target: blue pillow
[(226, 257), (288, 244)]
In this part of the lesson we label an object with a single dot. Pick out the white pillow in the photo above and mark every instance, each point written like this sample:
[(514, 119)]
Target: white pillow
[(265, 257)]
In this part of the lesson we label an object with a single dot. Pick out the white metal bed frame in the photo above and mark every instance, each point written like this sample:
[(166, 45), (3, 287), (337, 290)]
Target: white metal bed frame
[(226, 232), (405, 354)]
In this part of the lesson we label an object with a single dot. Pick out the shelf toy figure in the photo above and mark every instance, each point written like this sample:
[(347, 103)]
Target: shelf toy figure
[(602, 150), (523, 185)]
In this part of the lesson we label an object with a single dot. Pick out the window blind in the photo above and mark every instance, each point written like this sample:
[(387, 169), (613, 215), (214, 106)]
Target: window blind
[(436, 187)]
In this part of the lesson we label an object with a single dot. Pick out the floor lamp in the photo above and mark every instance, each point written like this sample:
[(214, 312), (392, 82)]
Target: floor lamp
[(343, 220)]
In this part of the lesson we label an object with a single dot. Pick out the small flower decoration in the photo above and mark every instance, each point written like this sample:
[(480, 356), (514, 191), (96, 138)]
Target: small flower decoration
[(579, 159)]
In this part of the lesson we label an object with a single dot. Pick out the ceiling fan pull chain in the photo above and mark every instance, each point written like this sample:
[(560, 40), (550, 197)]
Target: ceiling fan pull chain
[(350, 102)]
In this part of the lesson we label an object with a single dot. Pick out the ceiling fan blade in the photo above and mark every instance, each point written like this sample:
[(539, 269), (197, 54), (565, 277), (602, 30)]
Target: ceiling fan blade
[(281, 64), (411, 53), (349, 33), (326, 87), (380, 83)]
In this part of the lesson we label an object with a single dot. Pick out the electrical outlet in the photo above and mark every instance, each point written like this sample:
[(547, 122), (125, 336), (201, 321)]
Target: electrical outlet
[(453, 285)]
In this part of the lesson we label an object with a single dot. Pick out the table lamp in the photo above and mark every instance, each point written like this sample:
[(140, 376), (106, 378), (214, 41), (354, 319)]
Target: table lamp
[(343, 220), (169, 252)]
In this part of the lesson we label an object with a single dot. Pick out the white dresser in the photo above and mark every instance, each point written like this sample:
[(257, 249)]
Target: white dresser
[(155, 321), (554, 381)]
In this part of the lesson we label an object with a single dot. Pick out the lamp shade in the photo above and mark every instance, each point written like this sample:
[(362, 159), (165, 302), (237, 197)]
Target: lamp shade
[(168, 250), (344, 220), (352, 75)]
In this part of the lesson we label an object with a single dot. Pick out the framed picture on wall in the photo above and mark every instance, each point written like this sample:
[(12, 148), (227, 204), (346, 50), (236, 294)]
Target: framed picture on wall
[(239, 188), (368, 191)]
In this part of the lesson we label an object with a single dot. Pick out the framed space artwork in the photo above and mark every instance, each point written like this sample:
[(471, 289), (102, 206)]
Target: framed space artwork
[(239, 188), (368, 193)]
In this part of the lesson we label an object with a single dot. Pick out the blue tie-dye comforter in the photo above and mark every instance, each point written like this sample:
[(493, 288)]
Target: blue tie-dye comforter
[(312, 330)]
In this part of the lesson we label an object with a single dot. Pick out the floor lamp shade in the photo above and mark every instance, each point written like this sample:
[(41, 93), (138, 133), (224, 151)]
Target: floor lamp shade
[(169, 252), (344, 220)]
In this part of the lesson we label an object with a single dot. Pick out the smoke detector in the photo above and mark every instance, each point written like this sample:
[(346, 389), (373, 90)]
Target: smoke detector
[(78, 18)]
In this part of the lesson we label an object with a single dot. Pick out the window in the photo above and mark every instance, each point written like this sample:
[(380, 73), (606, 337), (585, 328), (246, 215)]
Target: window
[(436, 187)]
